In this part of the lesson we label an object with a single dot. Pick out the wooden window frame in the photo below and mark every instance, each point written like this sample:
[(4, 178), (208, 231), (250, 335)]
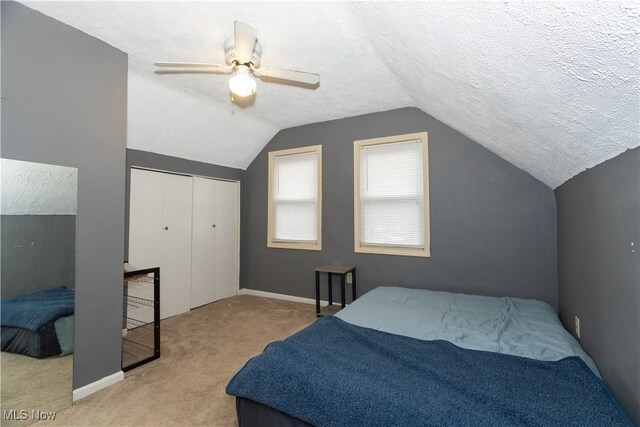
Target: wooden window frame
[(289, 244), (391, 250)]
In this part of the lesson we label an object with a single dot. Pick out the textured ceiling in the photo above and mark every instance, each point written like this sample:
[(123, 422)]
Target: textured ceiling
[(37, 189), (549, 86)]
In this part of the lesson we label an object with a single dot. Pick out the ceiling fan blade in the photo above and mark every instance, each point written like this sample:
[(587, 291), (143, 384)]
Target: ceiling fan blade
[(291, 75), (191, 65), (191, 71), (245, 36)]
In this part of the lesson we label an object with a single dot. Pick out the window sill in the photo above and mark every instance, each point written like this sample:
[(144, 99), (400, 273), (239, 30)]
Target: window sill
[(293, 245), (386, 250)]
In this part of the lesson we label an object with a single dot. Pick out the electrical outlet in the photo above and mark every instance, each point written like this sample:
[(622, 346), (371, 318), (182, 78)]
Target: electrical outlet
[(349, 278), (577, 326)]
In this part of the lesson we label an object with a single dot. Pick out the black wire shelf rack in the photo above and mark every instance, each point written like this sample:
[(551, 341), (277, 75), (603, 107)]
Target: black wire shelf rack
[(141, 318)]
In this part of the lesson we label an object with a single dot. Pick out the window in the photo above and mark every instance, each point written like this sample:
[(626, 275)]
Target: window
[(391, 195), (295, 198)]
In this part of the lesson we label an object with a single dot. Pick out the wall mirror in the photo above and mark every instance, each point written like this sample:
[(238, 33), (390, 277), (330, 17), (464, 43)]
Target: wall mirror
[(38, 204)]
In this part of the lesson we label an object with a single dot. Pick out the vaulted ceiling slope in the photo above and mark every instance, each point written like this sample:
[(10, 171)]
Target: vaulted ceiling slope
[(550, 86)]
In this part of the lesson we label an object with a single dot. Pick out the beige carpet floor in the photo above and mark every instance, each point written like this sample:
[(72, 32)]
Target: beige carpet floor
[(32, 384), (201, 351)]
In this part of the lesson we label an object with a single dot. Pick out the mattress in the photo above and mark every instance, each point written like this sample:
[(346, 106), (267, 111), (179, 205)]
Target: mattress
[(336, 373), (513, 326), (484, 327)]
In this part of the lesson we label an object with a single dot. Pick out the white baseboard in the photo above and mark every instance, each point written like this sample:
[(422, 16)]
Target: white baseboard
[(245, 291), (88, 389)]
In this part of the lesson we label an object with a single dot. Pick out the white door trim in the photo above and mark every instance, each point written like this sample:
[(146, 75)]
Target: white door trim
[(238, 225), (183, 173)]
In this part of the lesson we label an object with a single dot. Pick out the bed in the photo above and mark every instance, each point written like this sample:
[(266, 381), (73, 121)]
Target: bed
[(400, 356), (39, 324)]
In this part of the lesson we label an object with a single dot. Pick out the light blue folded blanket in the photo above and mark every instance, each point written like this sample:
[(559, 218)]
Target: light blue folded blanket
[(519, 327)]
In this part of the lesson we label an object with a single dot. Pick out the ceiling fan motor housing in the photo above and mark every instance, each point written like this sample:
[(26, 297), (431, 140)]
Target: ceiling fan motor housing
[(230, 53)]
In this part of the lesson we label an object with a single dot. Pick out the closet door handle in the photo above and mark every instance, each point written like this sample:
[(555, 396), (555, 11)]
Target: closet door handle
[(214, 226), (166, 228)]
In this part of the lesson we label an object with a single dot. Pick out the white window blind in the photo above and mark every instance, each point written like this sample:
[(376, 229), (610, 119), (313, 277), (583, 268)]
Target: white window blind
[(295, 197), (392, 195)]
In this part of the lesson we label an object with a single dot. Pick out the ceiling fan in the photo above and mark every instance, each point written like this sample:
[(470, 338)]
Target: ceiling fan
[(242, 57)]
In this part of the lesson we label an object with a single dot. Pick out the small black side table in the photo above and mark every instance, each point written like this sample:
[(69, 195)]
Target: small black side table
[(331, 270)]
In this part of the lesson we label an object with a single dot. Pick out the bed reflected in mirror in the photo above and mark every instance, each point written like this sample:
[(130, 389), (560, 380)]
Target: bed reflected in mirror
[(38, 228)]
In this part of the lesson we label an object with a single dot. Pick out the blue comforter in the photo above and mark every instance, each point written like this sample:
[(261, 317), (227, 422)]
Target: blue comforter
[(337, 374), (34, 310)]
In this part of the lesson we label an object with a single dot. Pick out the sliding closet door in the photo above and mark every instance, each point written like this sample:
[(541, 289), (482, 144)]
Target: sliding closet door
[(145, 219), (227, 238), (214, 268), (160, 234), (175, 271), (203, 266), (189, 228)]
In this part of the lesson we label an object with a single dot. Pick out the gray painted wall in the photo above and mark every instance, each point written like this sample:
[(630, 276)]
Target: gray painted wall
[(145, 159), (38, 252), (599, 270), (493, 226), (64, 102)]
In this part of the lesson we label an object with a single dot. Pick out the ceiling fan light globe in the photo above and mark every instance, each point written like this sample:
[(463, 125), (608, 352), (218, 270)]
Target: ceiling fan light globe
[(242, 84)]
